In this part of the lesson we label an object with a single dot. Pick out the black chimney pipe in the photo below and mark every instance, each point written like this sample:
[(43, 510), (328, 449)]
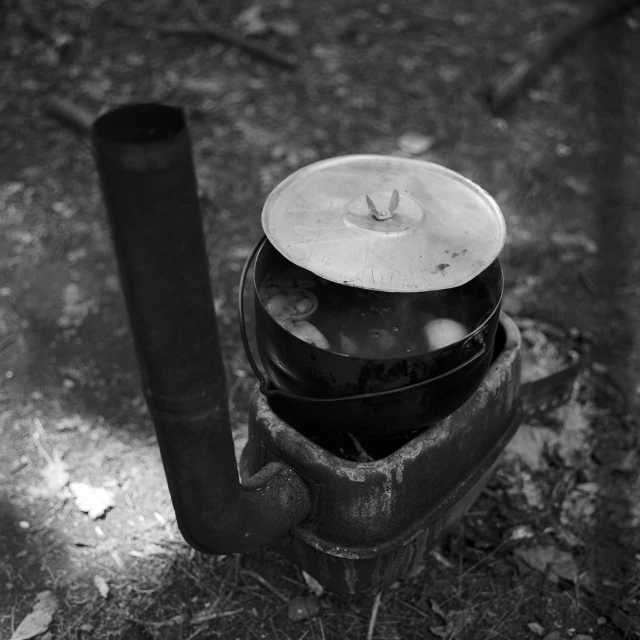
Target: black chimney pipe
[(143, 154)]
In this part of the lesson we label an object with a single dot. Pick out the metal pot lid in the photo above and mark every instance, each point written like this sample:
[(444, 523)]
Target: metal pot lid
[(384, 223)]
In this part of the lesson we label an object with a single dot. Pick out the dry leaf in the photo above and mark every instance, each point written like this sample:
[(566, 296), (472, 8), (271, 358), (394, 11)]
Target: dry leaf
[(149, 549), (70, 424), (314, 586), (570, 241), (214, 85), (55, 474), (581, 503), (438, 557), (573, 438), (457, 621), (521, 532), (531, 492), (302, 608), (76, 307), (94, 501), (250, 21), (101, 586), (448, 73), (547, 558), (39, 619), (437, 609), (579, 187), (285, 27), (529, 444)]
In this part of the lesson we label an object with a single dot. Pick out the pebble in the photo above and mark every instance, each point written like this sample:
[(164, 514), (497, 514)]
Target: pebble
[(302, 608), (415, 143)]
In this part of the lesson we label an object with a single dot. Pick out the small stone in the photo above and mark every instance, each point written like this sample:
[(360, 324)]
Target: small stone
[(302, 608), (415, 143), (554, 635), (602, 620), (500, 124), (23, 524), (563, 150), (135, 59), (521, 532), (536, 628)]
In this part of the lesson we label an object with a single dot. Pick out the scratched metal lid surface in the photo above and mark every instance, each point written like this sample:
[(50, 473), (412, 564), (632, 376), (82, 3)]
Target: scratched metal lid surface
[(384, 223)]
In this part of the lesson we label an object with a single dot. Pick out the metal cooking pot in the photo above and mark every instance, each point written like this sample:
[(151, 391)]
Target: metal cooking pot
[(329, 390), (438, 232)]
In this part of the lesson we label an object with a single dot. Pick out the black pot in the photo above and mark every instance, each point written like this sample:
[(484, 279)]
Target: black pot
[(322, 389)]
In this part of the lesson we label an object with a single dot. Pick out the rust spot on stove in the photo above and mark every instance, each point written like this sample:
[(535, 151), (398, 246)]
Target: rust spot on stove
[(440, 268)]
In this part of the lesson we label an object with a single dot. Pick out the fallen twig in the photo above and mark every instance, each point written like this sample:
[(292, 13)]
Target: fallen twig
[(504, 86), (45, 552), (88, 612), (47, 517), (362, 454), (8, 341), (38, 26), (213, 31), (265, 583), (185, 618), (69, 113), (374, 615)]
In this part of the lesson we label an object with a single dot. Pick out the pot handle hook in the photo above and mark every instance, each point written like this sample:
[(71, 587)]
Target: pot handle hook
[(264, 383)]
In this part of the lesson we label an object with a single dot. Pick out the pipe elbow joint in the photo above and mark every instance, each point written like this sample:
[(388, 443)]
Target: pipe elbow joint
[(270, 504)]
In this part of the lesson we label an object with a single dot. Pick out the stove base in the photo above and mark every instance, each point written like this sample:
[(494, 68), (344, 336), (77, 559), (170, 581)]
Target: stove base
[(372, 522)]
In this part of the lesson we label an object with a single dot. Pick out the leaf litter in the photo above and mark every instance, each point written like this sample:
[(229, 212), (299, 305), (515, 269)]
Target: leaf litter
[(56, 474), (94, 501), (560, 445), (101, 585), (38, 621), (551, 561)]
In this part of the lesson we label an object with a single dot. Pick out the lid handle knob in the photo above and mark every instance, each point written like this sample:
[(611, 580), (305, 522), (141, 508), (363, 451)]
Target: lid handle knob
[(384, 215)]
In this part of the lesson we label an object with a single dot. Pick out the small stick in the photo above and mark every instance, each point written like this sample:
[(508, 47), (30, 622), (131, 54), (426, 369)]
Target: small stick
[(504, 86), (363, 454), (374, 615), (41, 449), (69, 113), (37, 25), (208, 29), (265, 583), (185, 618)]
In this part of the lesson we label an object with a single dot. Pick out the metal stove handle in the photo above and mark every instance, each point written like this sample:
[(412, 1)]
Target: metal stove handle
[(554, 390), (267, 387)]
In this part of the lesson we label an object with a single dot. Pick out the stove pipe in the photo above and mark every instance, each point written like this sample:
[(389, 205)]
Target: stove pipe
[(143, 154)]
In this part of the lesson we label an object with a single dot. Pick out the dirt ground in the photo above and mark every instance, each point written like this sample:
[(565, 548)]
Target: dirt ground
[(552, 547)]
